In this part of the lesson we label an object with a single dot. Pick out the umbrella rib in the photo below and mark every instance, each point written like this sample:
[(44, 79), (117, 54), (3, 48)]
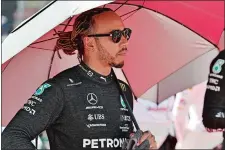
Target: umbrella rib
[(120, 6), (157, 96), (51, 62), (65, 24), (62, 31), (56, 33), (40, 48), (172, 20), (8, 64), (132, 14), (44, 40)]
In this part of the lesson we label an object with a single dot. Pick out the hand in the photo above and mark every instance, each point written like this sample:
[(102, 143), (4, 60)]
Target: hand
[(140, 141), (148, 137), (218, 147)]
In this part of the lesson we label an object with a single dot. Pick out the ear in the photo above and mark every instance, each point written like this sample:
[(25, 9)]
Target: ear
[(88, 42)]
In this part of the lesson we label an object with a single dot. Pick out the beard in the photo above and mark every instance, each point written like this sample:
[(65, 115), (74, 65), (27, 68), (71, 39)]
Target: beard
[(118, 65), (105, 56)]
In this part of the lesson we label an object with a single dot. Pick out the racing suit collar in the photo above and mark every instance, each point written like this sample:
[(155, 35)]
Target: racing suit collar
[(94, 75)]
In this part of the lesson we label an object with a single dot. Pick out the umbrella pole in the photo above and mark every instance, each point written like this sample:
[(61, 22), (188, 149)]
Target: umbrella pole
[(127, 103)]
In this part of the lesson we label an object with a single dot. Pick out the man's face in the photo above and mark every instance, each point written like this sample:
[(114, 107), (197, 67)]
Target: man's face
[(107, 51)]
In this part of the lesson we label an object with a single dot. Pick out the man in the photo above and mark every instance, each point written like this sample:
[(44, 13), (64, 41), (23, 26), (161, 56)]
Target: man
[(214, 102), (81, 107)]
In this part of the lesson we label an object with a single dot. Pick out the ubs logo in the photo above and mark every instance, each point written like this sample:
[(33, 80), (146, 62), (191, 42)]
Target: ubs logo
[(96, 117), (125, 118), (92, 99)]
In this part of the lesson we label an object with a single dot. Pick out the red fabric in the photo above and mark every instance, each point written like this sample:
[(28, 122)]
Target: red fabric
[(204, 17)]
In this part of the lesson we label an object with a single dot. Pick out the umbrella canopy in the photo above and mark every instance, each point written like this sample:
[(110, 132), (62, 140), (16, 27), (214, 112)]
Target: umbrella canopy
[(221, 42), (164, 56), (206, 18), (176, 42), (33, 27)]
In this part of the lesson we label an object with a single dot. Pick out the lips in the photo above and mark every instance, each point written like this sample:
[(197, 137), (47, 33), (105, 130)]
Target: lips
[(123, 51)]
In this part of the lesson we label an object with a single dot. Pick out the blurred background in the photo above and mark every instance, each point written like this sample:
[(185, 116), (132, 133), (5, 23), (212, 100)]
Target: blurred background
[(15, 11)]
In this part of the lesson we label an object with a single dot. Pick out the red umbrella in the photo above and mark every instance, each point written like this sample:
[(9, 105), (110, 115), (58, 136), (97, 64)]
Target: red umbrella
[(206, 18), (164, 22), (171, 47)]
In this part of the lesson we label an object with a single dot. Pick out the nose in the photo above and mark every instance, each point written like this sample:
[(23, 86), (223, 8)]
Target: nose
[(124, 41)]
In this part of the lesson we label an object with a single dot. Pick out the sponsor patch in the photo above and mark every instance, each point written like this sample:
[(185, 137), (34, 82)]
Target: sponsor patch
[(96, 125), (96, 117), (103, 143), (217, 67), (125, 118), (123, 87), (122, 102), (41, 89)]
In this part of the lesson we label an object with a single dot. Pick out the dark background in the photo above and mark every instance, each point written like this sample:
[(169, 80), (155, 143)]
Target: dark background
[(16, 11)]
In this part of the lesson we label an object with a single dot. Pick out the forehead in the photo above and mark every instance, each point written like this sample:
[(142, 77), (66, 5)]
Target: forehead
[(107, 22)]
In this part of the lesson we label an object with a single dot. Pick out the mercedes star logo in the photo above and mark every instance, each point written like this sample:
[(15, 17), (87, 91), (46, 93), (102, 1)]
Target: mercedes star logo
[(92, 98)]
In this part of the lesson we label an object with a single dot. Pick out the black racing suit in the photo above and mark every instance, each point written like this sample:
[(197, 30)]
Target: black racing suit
[(78, 108), (214, 102)]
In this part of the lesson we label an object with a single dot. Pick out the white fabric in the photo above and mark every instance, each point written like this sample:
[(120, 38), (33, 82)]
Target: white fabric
[(156, 119), (189, 75), (200, 140), (190, 131), (180, 117)]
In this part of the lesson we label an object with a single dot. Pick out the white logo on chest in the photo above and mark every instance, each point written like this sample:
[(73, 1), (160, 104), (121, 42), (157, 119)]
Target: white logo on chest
[(92, 99)]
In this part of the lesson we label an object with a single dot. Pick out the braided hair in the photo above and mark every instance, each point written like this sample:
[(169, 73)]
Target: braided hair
[(71, 41)]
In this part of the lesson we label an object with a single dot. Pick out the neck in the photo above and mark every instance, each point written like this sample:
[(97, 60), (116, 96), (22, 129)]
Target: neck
[(97, 66)]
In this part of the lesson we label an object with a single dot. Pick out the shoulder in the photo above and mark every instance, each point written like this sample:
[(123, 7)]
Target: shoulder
[(61, 81), (66, 73), (70, 75), (218, 63), (221, 55)]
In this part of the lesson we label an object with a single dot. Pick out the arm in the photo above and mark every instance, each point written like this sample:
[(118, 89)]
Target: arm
[(214, 104), (39, 113)]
